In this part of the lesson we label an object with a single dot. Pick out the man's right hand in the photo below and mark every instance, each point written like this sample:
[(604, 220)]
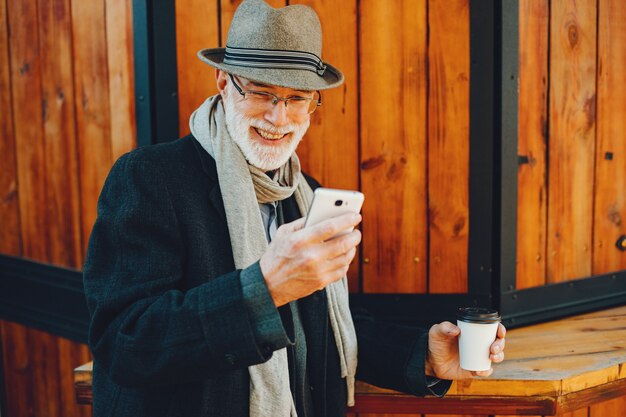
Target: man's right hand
[(300, 261)]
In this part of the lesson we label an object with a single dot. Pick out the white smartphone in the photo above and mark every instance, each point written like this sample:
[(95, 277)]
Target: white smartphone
[(329, 202)]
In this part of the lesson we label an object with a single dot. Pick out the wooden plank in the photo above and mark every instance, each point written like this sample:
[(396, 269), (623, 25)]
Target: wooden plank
[(532, 142), (18, 367), (10, 240), (448, 145), (610, 182), (92, 104), (119, 38), (393, 145), (572, 138), (330, 150), (612, 408), (60, 148), (29, 138), (43, 350), (583, 412), (196, 28)]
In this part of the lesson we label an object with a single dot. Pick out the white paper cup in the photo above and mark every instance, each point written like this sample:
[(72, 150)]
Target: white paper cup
[(479, 327)]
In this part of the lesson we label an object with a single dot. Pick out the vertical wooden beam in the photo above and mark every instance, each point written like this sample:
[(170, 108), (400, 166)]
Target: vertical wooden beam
[(609, 220), (17, 369), (572, 138), (119, 39), (197, 27), (393, 85), (93, 112), (448, 145), (533, 137), (610, 182), (61, 171), (28, 115), (10, 239), (330, 149)]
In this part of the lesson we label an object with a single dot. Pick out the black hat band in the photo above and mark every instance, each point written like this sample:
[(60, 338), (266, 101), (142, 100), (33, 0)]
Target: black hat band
[(276, 59)]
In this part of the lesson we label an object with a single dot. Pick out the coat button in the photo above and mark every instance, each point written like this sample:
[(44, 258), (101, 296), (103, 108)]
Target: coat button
[(311, 388), (230, 358), (268, 348)]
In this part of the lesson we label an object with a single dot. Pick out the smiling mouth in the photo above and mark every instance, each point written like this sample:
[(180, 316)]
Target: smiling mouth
[(269, 136)]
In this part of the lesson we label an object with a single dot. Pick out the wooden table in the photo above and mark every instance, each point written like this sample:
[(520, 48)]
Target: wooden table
[(549, 368)]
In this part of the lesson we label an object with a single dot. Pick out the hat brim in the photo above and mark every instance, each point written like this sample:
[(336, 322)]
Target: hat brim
[(289, 78)]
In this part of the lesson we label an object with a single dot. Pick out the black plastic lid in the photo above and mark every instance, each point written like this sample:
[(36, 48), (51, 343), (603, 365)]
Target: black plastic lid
[(478, 315)]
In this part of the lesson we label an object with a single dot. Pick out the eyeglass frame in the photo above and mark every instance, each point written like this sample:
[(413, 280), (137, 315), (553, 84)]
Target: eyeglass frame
[(276, 99)]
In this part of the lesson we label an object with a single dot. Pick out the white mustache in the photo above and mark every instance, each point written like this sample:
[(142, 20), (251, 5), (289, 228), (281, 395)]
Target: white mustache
[(268, 127)]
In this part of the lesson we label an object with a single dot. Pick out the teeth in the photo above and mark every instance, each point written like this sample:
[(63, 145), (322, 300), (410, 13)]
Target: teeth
[(268, 135)]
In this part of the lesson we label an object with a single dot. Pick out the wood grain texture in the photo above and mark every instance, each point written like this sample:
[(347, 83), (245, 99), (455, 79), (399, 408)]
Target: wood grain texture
[(28, 117), (572, 139), (119, 39), (10, 239), (532, 142), (393, 145), (330, 149), (196, 28), (612, 408), (93, 112), (44, 353), (448, 145), (60, 168), (18, 370), (610, 177)]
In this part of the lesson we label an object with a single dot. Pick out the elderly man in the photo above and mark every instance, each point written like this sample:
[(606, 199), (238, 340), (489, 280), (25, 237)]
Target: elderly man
[(207, 295)]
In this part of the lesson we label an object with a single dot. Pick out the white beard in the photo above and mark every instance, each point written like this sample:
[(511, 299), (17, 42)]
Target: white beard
[(262, 156)]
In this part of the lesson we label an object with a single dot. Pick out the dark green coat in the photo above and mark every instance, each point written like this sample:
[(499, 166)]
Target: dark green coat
[(171, 333)]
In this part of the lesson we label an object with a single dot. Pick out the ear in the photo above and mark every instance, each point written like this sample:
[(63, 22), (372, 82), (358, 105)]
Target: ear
[(221, 80)]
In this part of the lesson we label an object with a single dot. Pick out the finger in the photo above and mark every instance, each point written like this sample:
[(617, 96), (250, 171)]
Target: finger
[(501, 331), (341, 261), (292, 226), (497, 346), (340, 245), (483, 373), (329, 228), (449, 329), (497, 358), (334, 275)]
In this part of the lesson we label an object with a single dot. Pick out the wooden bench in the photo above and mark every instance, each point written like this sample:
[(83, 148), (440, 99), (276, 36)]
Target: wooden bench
[(549, 369)]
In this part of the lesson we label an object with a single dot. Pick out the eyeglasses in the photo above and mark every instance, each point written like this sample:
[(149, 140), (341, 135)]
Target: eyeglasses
[(295, 105)]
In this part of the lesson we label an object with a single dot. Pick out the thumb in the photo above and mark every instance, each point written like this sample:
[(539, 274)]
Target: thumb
[(448, 329)]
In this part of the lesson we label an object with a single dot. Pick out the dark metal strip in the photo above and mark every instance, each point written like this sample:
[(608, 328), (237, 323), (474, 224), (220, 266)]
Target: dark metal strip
[(143, 74), (43, 296), (414, 309), (532, 305), (508, 178), (156, 79), (483, 223)]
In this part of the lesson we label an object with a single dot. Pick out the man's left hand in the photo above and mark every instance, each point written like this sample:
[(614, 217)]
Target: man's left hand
[(443, 352)]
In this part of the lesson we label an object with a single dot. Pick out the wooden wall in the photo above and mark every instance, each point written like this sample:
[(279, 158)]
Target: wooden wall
[(398, 129), (67, 112)]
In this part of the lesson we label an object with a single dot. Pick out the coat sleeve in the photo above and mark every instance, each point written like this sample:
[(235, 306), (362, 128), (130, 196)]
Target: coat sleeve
[(144, 329), (393, 356)]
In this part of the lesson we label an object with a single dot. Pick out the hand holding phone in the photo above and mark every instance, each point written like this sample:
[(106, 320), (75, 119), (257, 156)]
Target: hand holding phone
[(329, 202)]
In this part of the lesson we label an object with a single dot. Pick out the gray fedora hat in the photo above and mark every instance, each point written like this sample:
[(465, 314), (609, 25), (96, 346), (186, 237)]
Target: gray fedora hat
[(281, 47)]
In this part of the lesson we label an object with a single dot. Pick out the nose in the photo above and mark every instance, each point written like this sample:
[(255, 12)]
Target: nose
[(277, 114)]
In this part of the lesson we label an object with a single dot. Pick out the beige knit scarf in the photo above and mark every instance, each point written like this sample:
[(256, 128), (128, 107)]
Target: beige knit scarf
[(243, 187)]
